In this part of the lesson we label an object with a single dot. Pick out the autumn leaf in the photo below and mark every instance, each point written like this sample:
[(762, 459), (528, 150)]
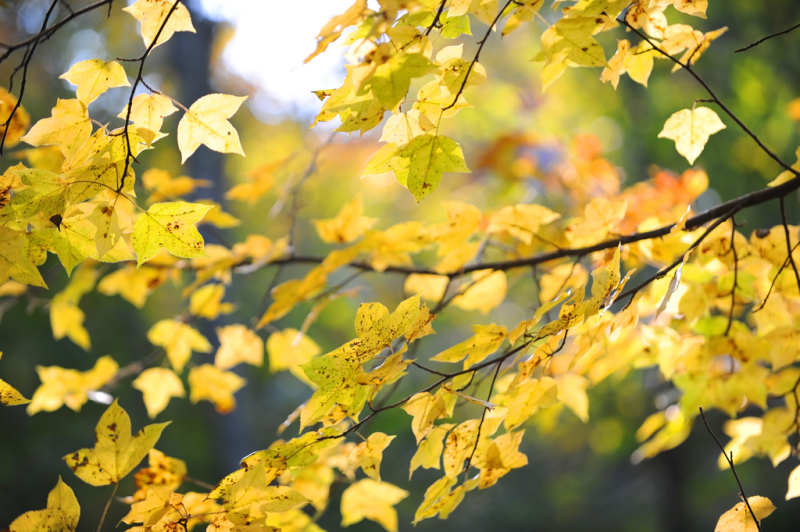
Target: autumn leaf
[(337, 383), (68, 386), (169, 225), (739, 519), (115, 453), (372, 500), (153, 13), (690, 129), (148, 113), (206, 123), (391, 80), (209, 383), (61, 515), (179, 340), (9, 396), (238, 344), (68, 128), (349, 224), (368, 454), (158, 385), (19, 123), (290, 349), (94, 77)]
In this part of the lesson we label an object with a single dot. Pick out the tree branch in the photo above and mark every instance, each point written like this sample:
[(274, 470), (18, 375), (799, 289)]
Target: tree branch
[(753, 45)]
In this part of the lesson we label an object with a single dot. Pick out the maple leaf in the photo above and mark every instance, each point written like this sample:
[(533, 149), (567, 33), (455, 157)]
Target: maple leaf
[(348, 225), (209, 383), (238, 344), (61, 515), (148, 113), (368, 454), (153, 13), (429, 451), (337, 381), (19, 123), (9, 396), (94, 77), (206, 123), (372, 500), (690, 129), (179, 340), (206, 302), (68, 386), (158, 385), (486, 291), (169, 225), (14, 263), (392, 79), (290, 349), (115, 452), (68, 127)]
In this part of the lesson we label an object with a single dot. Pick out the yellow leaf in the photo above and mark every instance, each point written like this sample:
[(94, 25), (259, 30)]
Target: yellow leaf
[(66, 319), (289, 349), (14, 263), (501, 457), (460, 443), (163, 186), (161, 470), (572, 392), (206, 123), (115, 452), (601, 217), (153, 13), (251, 497), (178, 340), (337, 381), (206, 302), (61, 515), (94, 77), (158, 502), (216, 216), (526, 399), (690, 129), (794, 484), (158, 385), (68, 127), (402, 127), (262, 180), (430, 287), (68, 386), (133, 284), (210, 383), (392, 79), (19, 124), (422, 326), (373, 500), (425, 409), (486, 291), (739, 519), (368, 455), (430, 450), (9, 395), (238, 344), (348, 225), (148, 114), (486, 340), (521, 221), (169, 225)]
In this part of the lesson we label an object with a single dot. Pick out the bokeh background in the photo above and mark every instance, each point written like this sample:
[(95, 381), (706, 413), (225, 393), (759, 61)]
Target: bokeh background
[(580, 476)]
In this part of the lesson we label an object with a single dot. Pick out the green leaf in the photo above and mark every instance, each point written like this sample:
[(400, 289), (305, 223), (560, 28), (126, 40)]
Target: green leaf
[(428, 158), (169, 225), (391, 80)]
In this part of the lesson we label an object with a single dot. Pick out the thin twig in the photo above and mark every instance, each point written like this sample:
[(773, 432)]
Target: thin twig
[(775, 279), (733, 468), (789, 241), (483, 418), (753, 45), (735, 275), (108, 504)]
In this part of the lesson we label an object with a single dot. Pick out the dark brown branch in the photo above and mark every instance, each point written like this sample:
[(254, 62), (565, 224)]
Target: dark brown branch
[(664, 271), (139, 79), (26, 61), (733, 468), (436, 18), (48, 32), (753, 45)]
